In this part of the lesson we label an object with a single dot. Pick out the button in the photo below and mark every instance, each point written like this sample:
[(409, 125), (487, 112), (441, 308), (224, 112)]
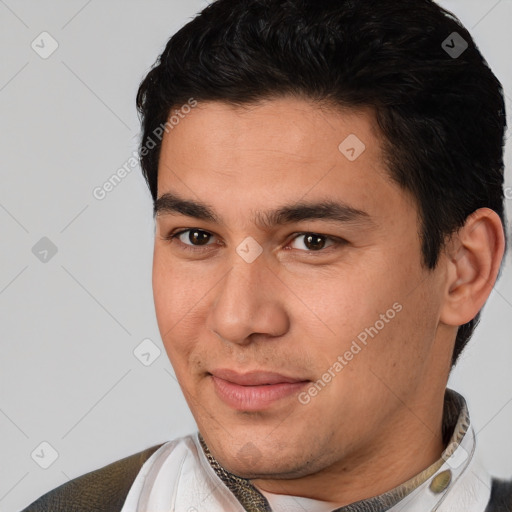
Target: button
[(441, 481)]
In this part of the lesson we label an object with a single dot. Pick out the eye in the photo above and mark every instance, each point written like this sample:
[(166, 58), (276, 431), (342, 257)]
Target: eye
[(314, 242), (191, 239), (195, 239)]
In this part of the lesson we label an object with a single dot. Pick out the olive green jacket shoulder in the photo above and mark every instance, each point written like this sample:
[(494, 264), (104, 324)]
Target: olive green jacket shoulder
[(102, 490)]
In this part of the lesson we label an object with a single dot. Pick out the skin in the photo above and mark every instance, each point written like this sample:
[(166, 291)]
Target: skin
[(294, 309)]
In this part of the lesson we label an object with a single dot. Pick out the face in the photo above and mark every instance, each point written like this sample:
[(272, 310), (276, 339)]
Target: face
[(289, 289)]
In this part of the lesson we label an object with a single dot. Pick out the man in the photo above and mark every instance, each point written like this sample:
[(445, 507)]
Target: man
[(328, 194)]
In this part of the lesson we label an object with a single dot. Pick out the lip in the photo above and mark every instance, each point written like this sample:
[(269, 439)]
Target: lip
[(255, 390)]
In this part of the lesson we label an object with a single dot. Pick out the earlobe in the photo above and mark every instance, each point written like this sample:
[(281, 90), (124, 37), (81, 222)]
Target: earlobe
[(474, 257)]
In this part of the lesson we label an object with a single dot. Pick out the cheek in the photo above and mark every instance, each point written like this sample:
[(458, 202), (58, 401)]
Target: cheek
[(372, 314), (175, 296), (174, 288), (398, 344), (351, 301), (343, 320)]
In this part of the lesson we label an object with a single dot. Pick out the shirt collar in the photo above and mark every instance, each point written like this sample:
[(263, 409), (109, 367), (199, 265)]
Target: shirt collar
[(431, 486)]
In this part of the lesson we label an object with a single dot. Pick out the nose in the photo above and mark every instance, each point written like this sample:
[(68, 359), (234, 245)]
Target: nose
[(249, 303)]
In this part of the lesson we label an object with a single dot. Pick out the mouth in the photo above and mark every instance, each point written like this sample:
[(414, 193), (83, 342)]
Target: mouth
[(254, 391)]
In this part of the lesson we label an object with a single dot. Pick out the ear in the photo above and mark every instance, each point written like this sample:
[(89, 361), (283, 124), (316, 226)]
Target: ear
[(474, 255)]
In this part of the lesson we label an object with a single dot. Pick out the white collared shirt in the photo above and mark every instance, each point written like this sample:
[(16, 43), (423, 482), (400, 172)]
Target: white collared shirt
[(178, 477)]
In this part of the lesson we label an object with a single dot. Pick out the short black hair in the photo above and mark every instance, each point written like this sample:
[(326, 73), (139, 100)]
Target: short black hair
[(439, 107)]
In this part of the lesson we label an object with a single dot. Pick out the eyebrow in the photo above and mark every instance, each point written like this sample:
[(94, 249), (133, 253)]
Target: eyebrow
[(171, 203)]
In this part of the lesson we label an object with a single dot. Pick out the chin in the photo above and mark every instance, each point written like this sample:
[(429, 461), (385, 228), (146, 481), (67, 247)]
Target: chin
[(249, 462), (250, 450)]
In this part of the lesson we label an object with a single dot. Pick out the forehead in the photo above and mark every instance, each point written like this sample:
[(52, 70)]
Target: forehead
[(284, 148), (289, 127)]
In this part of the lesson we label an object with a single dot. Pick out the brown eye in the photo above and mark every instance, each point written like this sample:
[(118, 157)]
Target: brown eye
[(197, 237), (313, 241), (190, 239)]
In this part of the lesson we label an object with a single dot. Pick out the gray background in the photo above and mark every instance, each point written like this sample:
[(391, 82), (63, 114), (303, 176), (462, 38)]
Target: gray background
[(71, 322)]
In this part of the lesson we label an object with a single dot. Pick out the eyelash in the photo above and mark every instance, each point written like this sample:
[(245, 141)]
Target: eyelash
[(336, 242)]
